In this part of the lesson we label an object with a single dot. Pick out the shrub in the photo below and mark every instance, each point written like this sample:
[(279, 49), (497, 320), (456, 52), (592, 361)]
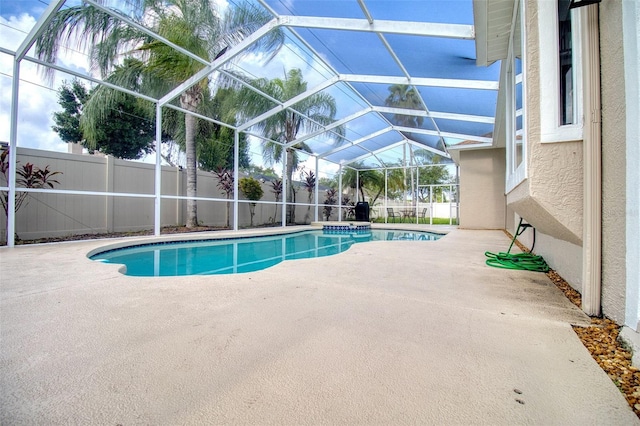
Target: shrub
[(252, 190)]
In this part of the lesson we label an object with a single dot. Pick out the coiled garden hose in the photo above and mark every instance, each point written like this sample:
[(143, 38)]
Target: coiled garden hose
[(519, 261)]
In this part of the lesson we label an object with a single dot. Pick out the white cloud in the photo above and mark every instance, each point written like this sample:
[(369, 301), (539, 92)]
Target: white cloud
[(314, 72), (289, 57), (37, 99)]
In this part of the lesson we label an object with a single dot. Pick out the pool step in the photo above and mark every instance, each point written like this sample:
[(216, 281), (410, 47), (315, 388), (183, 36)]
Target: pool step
[(342, 226)]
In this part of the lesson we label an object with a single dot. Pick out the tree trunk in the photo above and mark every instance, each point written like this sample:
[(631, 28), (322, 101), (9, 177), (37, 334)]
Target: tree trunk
[(275, 215), (252, 212), (308, 214), (291, 209), (189, 101)]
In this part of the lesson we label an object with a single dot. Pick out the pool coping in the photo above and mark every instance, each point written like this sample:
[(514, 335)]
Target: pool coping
[(298, 341), (232, 235)]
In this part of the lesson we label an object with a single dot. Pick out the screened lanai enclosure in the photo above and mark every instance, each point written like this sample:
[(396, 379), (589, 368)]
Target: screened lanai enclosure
[(324, 103)]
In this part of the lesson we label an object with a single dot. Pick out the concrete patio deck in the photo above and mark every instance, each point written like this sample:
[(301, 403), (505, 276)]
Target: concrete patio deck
[(385, 333)]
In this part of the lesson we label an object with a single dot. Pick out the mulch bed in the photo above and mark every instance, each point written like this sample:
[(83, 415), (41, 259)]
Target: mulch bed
[(601, 339), (163, 231)]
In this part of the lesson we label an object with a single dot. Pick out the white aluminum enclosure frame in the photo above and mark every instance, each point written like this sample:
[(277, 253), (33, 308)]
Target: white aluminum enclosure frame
[(291, 23)]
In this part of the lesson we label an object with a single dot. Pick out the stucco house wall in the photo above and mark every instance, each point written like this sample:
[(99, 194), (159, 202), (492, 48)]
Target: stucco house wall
[(482, 201), (613, 161), (550, 198)]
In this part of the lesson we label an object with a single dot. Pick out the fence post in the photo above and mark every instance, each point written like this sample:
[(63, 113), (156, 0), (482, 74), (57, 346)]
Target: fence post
[(316, 192), (109, 202), (340, 193), (179, 180)]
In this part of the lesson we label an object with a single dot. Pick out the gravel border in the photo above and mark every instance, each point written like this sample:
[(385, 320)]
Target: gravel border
[(601, 340)]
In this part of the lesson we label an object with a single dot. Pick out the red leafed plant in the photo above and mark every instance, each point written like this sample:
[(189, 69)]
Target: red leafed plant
[(27, 176)]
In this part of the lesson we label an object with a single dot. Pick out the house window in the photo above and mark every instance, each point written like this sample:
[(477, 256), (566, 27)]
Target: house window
[(565, 61), (515, 103), (560, 71)]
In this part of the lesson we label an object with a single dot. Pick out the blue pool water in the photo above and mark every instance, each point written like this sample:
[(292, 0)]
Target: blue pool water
[(239, 255)]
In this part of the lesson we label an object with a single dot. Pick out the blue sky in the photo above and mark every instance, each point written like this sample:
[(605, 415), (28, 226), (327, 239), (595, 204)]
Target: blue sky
[(16, 7), (422, 57)]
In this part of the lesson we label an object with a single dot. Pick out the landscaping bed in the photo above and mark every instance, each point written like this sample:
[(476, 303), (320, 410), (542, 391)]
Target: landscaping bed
[(601, 339)]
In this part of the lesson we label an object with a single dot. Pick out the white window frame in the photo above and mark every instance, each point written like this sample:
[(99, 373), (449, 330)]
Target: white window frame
[(516, 173), (550, 129)]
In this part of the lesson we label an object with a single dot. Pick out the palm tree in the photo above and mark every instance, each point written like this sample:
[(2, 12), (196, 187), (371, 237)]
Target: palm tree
[(226, 185), (309, 184), (285, 126), (371, 180), (407, 97), (191, 24), (276, 189)]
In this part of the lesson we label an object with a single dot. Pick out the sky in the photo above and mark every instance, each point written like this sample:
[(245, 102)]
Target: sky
[(38, 98)]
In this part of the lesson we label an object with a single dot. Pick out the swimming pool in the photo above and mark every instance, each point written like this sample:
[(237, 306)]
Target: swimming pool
[(237, 255)]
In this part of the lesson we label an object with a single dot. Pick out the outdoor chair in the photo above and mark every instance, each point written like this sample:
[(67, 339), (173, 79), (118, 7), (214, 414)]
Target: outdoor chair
[(409, 214), (392, 214), (423, 214)]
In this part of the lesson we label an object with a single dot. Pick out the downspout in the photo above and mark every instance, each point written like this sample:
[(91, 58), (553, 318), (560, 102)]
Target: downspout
[(592, 151)]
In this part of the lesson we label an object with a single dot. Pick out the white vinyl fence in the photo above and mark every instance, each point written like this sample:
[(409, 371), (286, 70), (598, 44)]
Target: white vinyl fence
[(100, 194), (84, 207)]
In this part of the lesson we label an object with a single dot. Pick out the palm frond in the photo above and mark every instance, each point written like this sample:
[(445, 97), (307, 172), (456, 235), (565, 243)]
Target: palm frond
[(245, 19), (84, 28)]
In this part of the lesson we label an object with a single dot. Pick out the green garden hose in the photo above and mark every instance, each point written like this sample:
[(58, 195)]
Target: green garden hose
[(519, 261)]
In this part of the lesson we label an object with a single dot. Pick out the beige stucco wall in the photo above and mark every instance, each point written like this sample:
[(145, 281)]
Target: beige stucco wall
[(482, 201), (563, 257), (613, 161), (551, 197)]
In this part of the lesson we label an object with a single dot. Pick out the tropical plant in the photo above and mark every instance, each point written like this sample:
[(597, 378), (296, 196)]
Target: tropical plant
[(396, 183), (348, 207), (371, 180), (372, 183), (406, 97), (194, 25), (309, 184), (27, 176), (276, 189), (311, 114), (225, 184), (252, 190), (215, 143), (329, 201)]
